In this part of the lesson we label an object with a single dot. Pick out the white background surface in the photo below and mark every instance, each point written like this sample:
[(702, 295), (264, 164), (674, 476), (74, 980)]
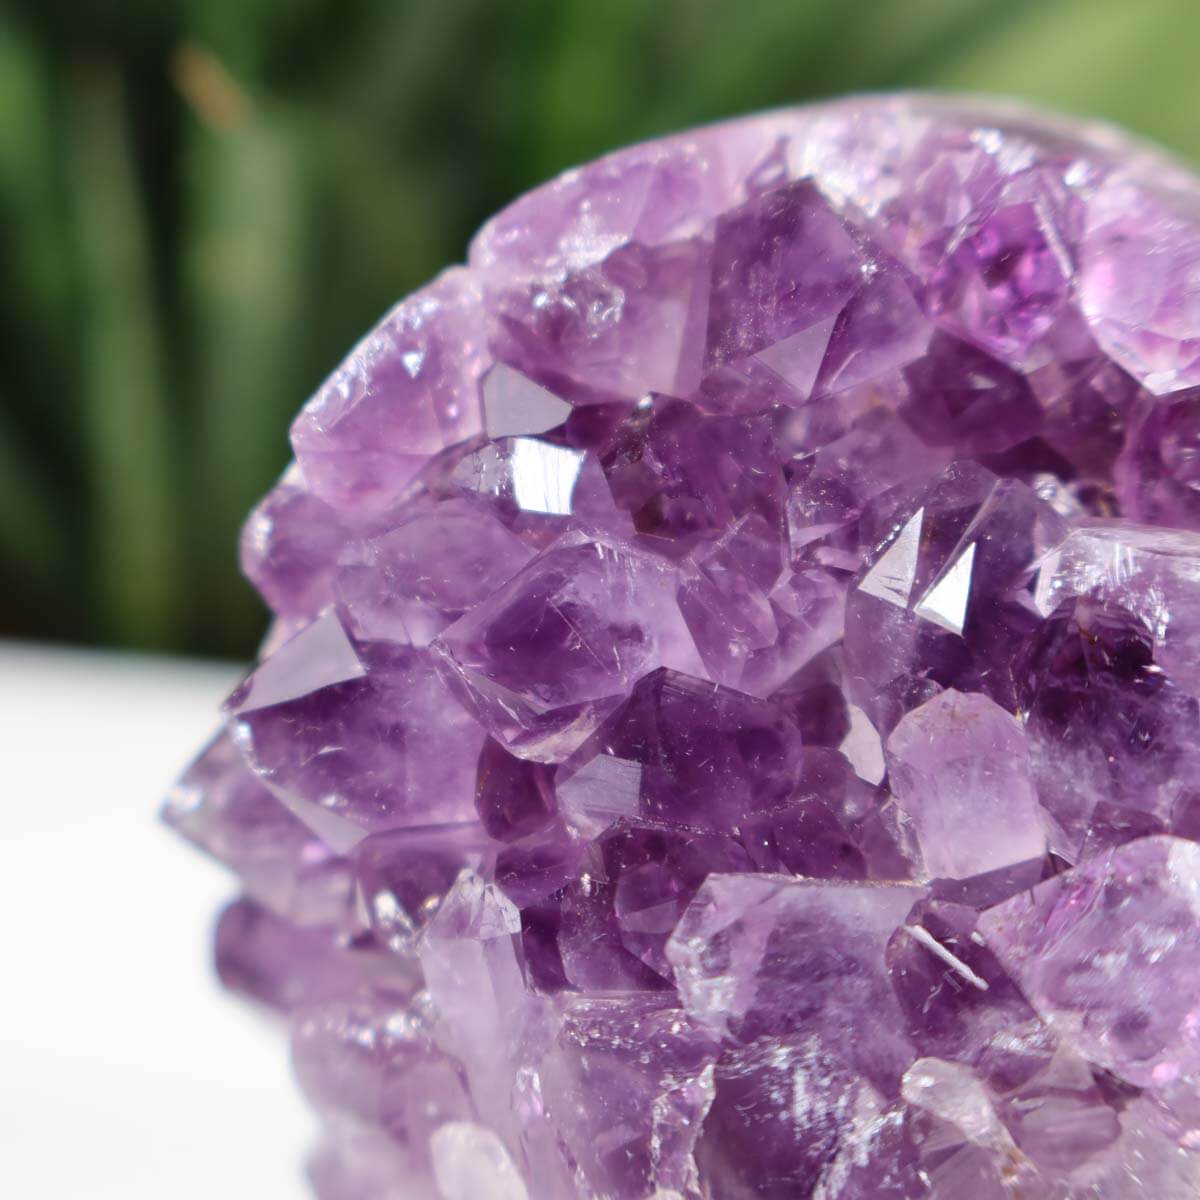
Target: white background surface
[(125, 1074)]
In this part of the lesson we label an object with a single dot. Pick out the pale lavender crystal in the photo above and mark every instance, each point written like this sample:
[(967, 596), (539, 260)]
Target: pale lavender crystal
[(403, 395), (959, 767), (280, 862), (965, 1148), (749, 963), (470, 1160), (646, 1069), (1107, 954), (1008, 279), (730, 726), (1145, 319), (470, 956), (832, 485), (811, 1030), (753, 623), (1066, 1115), (387, 590), (1157, 475), (282, 965), (290, 544), (1142, 1162), (626, 325), (540, 489), (379, 1085)]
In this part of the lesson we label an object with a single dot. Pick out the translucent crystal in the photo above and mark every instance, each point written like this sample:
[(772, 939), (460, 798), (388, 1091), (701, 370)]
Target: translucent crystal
[(730, 727)]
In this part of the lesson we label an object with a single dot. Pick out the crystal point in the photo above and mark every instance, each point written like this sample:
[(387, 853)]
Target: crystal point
[(730, 727)]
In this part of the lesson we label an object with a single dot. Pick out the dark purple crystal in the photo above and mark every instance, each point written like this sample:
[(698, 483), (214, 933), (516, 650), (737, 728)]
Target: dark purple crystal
[(731, 724)]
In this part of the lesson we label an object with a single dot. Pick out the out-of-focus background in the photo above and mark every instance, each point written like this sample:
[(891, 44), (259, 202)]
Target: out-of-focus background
[(204, 202)]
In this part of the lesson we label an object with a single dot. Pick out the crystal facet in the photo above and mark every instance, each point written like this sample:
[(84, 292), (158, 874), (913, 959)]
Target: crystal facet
[(731, 726)]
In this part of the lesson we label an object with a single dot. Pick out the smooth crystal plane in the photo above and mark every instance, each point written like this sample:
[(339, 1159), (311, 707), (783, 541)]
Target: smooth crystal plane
[(730, 725)]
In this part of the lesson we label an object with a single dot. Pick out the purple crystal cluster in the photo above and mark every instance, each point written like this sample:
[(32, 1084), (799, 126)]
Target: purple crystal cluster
[(730, 727)]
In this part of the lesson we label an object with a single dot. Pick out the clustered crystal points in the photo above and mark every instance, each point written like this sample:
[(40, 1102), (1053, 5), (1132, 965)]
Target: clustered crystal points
[(730, 724)]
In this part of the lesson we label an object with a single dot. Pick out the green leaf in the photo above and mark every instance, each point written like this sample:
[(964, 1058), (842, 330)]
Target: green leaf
[(28, 533), (37, 429), (246, 253), (125, 415), (38, 262)]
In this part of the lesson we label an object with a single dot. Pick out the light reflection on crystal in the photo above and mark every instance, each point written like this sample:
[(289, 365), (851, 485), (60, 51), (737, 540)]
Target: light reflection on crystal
[(601, 791), (514, 405), (544, 476), (731, 720), (891, 578), (470, 1163), (945, 603), (797, 358), (862, 747), (319, 656)]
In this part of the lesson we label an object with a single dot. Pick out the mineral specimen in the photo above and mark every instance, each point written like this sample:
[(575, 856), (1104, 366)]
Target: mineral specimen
[(730, 728)]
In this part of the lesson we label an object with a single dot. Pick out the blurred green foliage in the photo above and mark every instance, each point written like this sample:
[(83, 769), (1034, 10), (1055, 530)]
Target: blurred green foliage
[(204, 202)]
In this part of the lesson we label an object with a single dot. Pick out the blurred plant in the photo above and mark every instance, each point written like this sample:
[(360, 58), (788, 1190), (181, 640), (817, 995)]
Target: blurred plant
[(204, 202)]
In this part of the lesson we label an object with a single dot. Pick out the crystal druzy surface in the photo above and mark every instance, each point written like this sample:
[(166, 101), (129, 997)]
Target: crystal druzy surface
[(730, 724)]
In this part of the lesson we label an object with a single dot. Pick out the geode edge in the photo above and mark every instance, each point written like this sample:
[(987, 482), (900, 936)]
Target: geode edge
[(730, 723)]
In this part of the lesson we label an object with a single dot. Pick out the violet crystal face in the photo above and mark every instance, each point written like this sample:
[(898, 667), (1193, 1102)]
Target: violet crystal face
[(730, 726)]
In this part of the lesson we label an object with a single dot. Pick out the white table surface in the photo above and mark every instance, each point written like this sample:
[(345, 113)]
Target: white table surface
[(125, 1074)]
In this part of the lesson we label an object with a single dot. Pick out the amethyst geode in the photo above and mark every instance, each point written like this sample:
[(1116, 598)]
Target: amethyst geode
[(730, 725)]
